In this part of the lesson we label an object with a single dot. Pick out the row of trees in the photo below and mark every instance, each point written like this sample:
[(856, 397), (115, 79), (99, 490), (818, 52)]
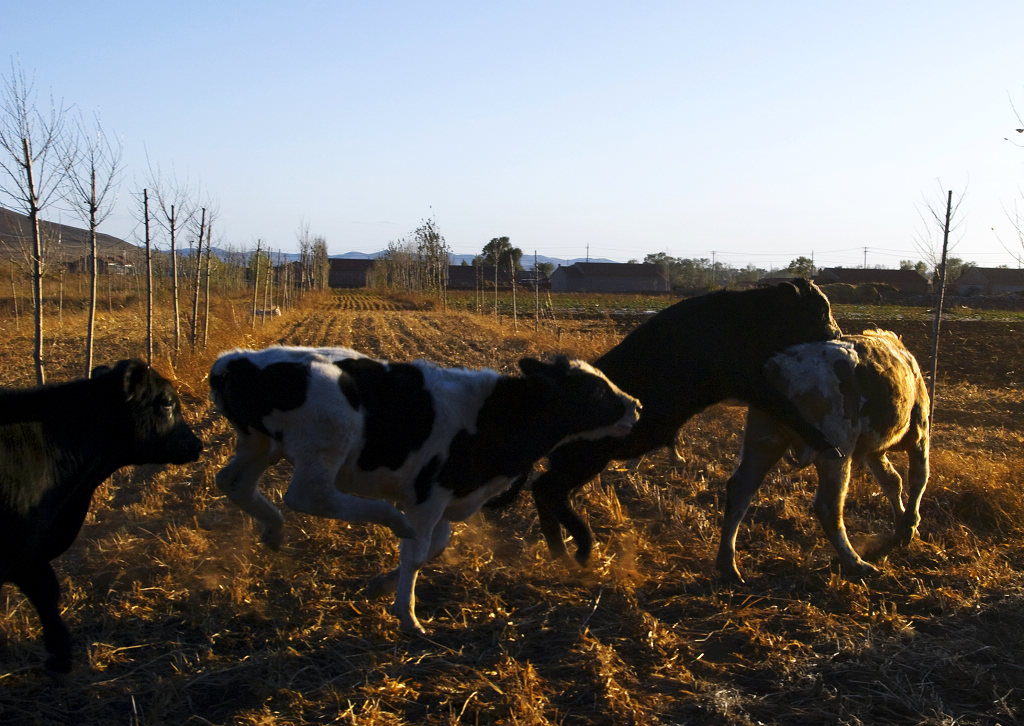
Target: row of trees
[(54, 157)]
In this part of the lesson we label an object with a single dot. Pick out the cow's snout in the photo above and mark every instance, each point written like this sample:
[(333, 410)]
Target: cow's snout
[(630, 418)]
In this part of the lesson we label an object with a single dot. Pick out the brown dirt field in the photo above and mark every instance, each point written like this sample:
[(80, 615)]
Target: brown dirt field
[(180, 616)]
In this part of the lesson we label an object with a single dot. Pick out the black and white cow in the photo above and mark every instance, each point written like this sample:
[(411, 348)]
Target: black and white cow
[(57, 444), (867, 394), (363, 433), (689, 356)]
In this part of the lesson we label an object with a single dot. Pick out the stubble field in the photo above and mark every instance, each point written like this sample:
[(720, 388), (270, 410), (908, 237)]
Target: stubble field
[(180, 616)]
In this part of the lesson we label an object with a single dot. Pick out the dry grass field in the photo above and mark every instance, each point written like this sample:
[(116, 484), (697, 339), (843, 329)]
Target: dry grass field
[(180, 616)]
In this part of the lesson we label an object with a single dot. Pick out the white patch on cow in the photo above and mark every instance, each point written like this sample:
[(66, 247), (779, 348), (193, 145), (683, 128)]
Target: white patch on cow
[(806, 374), (889, 411)]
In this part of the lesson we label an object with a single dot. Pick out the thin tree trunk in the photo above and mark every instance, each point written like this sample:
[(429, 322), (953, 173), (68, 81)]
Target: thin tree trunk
[(149, 280), (256, 284), (174, 287), (206, 315), (198, 270), (91, 323), (37, 267), (512, 276), (939, 303), (266, 288), (536, 294), (14, 298)]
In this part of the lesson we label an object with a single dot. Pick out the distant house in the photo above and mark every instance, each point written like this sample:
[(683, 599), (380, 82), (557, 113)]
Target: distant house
[(989, 281), (350, 273), (104, 266), (910, 282), (469, 277), (610, 277)]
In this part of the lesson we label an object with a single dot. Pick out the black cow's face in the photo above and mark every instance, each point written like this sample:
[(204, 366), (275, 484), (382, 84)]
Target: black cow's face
[(157, 429), (811, 314), (583, 396)]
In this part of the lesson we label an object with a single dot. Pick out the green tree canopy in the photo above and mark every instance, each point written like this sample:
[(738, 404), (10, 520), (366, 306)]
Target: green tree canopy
[(498, 251), (801, 267)]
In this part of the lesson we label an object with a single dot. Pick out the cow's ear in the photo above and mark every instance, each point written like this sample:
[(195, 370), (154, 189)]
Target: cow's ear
[(532, 366), (802, 284), (133, 375)]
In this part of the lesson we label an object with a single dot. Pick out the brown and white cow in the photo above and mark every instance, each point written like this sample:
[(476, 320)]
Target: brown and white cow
[(866, 393), (364, 433)]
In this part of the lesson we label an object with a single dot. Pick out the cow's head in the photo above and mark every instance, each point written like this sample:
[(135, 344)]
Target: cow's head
[(154, 430), (804, 314), (591, 406)]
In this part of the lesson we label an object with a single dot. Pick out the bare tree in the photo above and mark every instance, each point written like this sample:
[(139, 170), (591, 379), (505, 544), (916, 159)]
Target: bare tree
[(946, 219), (321, 263), (257, 262), (93, 164), (206, 218), (149, 276), (434, 255), (1015, 215), (174, 199), (32, 175), (305, 257), (206, 316)]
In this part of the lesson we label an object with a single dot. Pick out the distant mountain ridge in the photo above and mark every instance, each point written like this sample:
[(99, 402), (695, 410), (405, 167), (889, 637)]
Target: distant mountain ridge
[(14, 233), (526, 261)]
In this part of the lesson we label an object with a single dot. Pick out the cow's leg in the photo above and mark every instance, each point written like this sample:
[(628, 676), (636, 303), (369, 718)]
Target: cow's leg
[(312, 490), (387, 583), (833, 482), (771, 400), (890, 482), (917, 480), (432, 532), (551, 492), (240, 478), (764, 443), (39, 583)]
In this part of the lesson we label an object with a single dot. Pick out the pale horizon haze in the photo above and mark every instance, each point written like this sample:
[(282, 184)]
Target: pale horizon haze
[(748, 133)]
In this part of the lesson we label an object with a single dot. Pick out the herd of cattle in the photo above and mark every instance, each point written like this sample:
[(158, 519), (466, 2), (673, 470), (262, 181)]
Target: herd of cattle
[(414, 446)]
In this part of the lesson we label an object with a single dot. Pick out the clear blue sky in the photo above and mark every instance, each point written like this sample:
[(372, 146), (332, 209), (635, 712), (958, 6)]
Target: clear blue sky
[(754, 131)]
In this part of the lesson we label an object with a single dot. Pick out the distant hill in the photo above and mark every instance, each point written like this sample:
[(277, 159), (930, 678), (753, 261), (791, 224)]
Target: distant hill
[(527, 260), (16, 234)]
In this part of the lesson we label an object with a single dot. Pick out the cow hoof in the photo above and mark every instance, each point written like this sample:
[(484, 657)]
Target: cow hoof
[(859, 570), (583, 559), (412, 627), (58, 666), (730, 576), (273, 538), (903, 539), (381, 585)]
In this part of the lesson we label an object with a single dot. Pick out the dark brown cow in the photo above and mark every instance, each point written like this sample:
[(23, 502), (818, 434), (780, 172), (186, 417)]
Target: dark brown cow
[(866, 393), (57, 444)]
